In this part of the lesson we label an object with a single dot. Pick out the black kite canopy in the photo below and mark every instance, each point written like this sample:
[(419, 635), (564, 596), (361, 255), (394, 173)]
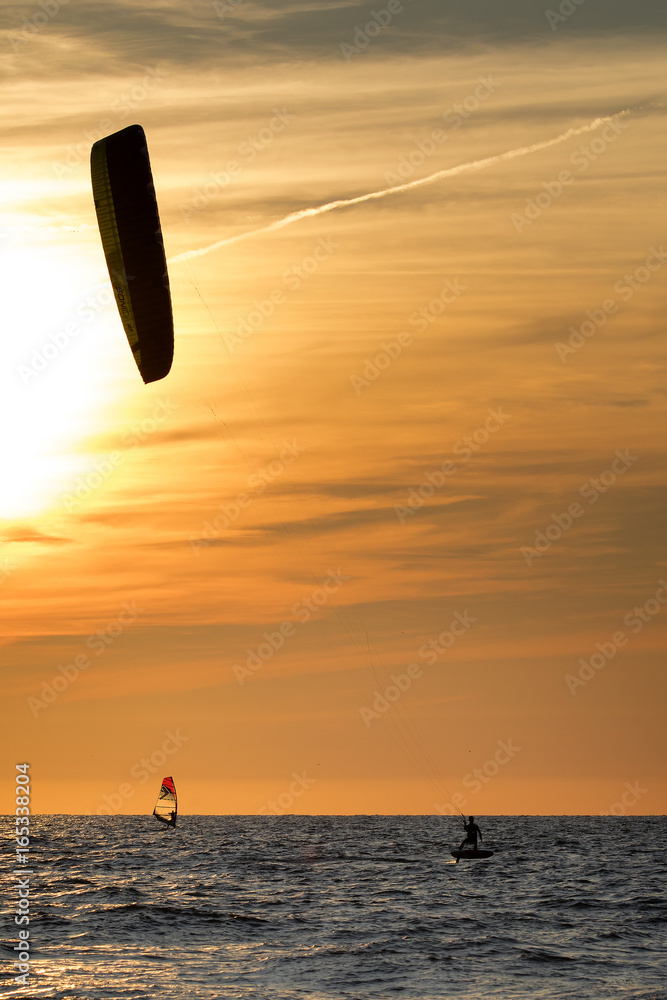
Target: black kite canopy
[(132, 240)]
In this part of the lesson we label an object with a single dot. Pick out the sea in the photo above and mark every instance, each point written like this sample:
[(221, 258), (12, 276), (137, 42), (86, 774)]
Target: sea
[(338, 908)]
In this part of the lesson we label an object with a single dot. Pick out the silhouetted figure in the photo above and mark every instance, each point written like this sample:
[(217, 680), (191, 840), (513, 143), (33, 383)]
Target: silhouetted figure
[(472, 833)]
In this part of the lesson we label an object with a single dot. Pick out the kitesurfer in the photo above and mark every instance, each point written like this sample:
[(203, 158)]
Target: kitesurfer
[(472, 833)]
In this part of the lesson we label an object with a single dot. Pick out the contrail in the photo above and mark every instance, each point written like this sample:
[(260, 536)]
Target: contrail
[(461, 168)]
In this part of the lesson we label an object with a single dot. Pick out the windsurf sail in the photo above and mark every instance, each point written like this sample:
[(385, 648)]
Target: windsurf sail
[(166, 806)]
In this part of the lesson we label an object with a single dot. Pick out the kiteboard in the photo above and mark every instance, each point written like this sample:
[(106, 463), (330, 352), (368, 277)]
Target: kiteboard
[(471, 854)]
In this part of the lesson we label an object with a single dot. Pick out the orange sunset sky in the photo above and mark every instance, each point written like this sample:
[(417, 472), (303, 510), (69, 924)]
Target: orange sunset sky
[(394, 523)]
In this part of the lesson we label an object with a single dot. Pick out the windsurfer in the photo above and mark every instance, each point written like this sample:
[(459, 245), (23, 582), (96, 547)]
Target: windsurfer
[(472, 833)]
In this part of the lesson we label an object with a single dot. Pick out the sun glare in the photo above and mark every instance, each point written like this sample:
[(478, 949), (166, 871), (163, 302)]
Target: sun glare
[(52, 389)]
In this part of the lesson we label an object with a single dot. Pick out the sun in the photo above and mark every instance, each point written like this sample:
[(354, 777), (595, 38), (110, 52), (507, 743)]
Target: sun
[(54, 381)]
